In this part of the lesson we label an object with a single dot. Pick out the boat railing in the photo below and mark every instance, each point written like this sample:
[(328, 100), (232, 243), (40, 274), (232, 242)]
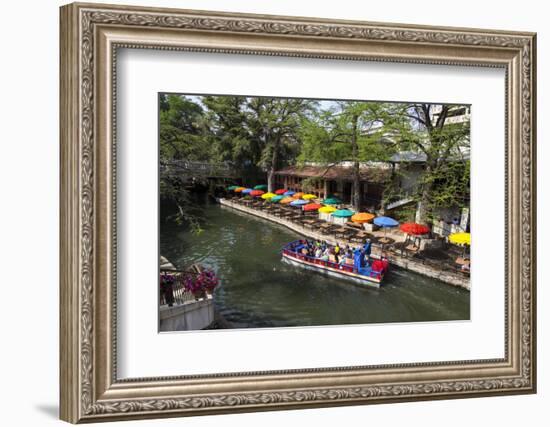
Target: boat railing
[(335, 265)]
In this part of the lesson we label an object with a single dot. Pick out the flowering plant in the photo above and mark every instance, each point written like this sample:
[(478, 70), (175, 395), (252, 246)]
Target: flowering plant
[(166, 280), (205, 281)]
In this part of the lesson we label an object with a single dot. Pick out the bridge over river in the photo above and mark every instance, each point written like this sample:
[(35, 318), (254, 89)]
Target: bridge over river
[(192, 173)]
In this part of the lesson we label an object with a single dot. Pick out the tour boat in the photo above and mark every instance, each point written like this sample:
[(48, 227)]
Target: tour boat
[(358, 272)]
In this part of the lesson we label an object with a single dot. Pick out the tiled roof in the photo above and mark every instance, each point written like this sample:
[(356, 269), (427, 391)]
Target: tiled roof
[(372, 174)]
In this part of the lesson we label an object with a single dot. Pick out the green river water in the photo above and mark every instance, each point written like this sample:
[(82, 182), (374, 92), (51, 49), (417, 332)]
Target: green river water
[(258, 290)]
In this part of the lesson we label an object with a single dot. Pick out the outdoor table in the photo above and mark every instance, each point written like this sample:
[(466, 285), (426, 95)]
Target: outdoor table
[(462, 261)]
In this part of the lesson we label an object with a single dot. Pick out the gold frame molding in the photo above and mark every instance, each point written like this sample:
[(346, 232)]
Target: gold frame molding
[(90, 37)]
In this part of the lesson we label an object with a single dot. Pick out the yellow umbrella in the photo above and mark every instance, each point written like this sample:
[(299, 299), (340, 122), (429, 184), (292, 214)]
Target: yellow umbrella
[(460, 238), (362, 217), (309, 196), (287, 200), (327, 209), (268, 196)]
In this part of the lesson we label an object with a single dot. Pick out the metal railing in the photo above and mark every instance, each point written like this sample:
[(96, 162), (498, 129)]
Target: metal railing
[(204, 169), (175, 294)]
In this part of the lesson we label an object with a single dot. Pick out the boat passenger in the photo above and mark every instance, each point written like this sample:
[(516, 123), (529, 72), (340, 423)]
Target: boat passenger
[(377, 266), (380, 265), (367, 247), (337, 252), (318, 253)]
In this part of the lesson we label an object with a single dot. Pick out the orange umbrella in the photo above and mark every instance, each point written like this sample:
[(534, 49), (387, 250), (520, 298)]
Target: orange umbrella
[(362, 217), (239, 189), (287, 200), (298, 195)]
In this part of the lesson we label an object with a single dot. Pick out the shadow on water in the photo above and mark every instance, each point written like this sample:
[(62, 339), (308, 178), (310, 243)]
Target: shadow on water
[(257, 289)]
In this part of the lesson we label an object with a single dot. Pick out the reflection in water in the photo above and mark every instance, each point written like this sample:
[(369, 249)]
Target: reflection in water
[(258, 290)]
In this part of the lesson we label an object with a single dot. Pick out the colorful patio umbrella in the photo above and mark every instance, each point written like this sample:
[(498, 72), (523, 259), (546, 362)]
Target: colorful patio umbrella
[(277, 198), (267, 196), (414, 228), (289, 193), (260, 187), (312, 207), (256, 193), (327, 209), (247, 191), (385, 222), (309, 196), (232, 187), (298, 195), (460, 238), (342, 213), (362, 217), (281, 191), (299, 202), (331, 201), (286, 200), (239, 189)]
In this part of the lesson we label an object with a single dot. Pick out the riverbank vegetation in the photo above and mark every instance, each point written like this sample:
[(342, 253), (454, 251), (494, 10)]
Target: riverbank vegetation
[(256, 136)]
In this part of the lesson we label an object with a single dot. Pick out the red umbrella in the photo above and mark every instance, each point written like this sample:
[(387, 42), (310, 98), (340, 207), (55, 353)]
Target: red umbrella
[(282, 191), (312, 207), (256, 193), (414, 228)]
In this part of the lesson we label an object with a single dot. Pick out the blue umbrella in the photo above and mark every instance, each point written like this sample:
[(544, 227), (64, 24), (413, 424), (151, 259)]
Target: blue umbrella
[(299, 202), (289, 193), (385, 221), (246, 191)]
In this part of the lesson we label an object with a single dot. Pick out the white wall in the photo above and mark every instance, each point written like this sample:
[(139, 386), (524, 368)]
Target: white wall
[(29, 213)]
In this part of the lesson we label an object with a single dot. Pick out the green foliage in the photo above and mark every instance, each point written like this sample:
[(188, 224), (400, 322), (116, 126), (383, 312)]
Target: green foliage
[(328, 136), (258, 135), (182, 129)]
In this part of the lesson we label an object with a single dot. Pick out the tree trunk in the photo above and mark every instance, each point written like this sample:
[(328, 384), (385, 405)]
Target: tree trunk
[(273, 167), (425, 211), (356, 188)]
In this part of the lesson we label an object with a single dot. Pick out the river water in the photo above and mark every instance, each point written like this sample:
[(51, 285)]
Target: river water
[(258, 290)]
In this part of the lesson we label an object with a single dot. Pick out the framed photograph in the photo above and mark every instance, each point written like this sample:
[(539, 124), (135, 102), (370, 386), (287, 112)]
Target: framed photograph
[(267, 212)]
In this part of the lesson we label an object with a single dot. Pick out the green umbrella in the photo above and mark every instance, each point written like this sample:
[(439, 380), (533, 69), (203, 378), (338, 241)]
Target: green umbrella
[(277, 198), (232, 187), (331, 201), (343, 213), (261, 187)]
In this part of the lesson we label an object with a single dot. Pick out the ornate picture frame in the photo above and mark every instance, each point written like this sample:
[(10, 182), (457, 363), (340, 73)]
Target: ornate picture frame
[(90, 37)]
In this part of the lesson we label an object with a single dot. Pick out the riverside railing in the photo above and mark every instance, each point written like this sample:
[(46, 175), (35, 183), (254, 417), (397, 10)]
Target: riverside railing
[(175, 292)]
